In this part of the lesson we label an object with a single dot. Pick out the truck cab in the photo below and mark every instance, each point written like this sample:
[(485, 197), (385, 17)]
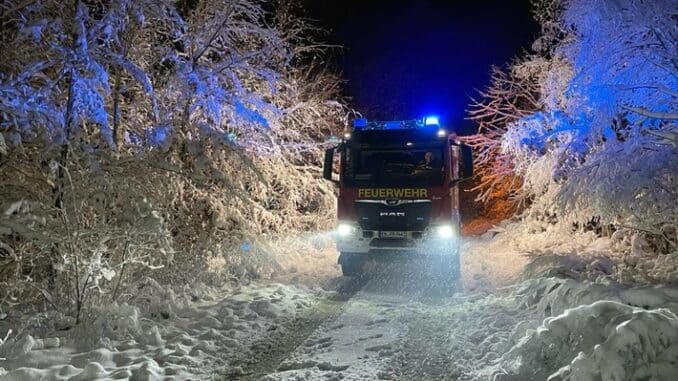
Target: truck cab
[(398, 193)]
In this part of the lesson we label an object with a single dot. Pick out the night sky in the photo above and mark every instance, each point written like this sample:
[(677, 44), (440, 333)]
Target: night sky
[(403, 59)]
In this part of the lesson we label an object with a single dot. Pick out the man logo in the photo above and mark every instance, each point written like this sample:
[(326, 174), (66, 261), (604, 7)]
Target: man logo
[(392, 214)]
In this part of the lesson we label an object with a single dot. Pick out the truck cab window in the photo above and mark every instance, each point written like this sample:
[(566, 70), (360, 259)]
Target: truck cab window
[(392, 167)]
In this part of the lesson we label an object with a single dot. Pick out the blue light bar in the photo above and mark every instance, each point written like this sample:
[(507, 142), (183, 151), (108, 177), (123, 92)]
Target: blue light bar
[(432, 120), (364, 124)]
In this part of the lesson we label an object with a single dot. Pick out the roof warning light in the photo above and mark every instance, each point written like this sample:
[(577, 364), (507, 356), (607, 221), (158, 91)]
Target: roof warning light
[(432, 120)]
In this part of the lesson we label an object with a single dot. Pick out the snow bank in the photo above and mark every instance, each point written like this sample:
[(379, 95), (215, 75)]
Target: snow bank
[(590, 331), (171, 338), (538, 247), (489, 263), (584, 308), (605, 340), (552, 296)]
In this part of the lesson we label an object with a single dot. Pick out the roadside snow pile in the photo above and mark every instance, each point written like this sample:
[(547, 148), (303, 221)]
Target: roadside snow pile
[(552, 296), (176, 338), (533, 237), (592, 331), (488, 263), (605, 340), (554, 249), (585, 308)]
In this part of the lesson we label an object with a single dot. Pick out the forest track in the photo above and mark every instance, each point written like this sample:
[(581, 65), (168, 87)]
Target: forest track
[(362, 338), (425, 351), (265, 355)]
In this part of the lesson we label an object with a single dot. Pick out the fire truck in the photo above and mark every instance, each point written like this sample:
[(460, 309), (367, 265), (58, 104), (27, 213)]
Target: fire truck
[(398, 193)]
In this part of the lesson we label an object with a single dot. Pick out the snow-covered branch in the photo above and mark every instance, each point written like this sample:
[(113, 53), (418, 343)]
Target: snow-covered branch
[(652, 114), (600, 139), (146, 135)]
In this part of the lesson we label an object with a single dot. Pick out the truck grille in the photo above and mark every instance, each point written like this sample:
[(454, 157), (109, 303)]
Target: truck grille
[(410, 215)]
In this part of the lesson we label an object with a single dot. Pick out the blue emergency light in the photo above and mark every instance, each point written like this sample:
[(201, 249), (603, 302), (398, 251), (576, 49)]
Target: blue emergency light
[(364, 124), (431, 120)]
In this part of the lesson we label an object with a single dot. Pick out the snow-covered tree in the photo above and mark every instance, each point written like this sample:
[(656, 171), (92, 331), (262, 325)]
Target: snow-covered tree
[(602, 141), (511, 95), (140, 135)]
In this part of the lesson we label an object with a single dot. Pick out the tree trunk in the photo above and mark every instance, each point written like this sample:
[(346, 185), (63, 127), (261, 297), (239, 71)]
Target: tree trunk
[(63, 158), (117, 133), (183, 135), (60, 182)]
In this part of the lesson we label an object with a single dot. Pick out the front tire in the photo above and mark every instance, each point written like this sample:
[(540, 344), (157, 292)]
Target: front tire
[(351, 264)]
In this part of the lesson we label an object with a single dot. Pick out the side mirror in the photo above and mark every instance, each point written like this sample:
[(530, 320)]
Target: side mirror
[(328, 164), (466, 164)]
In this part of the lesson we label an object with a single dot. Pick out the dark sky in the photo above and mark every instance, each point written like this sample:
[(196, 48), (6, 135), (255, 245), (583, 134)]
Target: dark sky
[(404, 59)]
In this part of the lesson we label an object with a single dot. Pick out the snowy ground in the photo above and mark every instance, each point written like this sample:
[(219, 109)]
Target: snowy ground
[(518, 318), (192, 339), (401, 328)]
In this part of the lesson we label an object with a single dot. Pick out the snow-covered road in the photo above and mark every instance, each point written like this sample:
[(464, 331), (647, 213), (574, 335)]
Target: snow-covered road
[(397, 323), (402, 325), (546, 328)]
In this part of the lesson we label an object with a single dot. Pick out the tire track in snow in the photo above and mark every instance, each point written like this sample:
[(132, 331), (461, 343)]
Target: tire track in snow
[(352, 346), (265, 356), (370, 330), (427, 351)]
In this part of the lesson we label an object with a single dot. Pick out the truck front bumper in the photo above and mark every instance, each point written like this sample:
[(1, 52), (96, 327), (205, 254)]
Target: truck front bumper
[(438, 239)]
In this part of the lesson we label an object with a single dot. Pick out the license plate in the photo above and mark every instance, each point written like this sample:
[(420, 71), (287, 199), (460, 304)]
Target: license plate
[(393, 234)]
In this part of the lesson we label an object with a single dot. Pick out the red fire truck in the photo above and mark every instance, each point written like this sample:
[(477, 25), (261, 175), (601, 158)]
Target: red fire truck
[(398, 193)]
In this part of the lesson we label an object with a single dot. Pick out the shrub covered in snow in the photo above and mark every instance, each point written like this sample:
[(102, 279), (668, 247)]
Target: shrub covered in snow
[(139, 135), (592, 331), (203, 336), (599, 141)]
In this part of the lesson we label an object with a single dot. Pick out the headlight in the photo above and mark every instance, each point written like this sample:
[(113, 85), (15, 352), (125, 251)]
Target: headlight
[(445, 231), (344, 230)]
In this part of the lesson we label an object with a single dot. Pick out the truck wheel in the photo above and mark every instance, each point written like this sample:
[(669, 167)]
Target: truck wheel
[(351, 264)]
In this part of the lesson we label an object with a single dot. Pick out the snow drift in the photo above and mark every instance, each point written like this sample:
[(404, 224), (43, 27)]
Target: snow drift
[(605, 340), (591, 331), (191, 336)]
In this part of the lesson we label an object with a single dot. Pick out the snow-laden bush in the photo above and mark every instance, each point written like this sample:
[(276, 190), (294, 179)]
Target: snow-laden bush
[(139, 135), (601, 140), (568, 329), (604, 340), (591, 331)]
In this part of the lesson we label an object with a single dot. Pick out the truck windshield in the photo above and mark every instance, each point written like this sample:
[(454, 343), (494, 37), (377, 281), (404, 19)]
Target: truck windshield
[(394, 167)]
